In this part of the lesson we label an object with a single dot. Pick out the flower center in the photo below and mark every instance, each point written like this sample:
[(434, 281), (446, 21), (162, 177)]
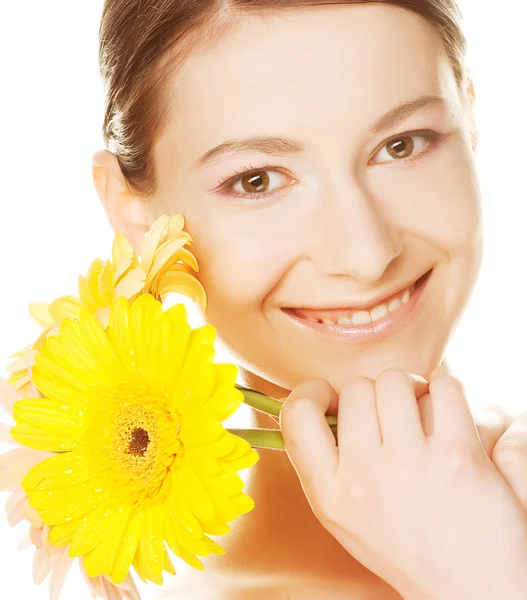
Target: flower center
[(138, 442)]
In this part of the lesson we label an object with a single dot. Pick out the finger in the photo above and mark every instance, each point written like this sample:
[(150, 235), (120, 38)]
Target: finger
[(421, 385), (398, 410), (426, 414), (453, 420), (491, 423), (308, 439), (358, 432), (509, 455)]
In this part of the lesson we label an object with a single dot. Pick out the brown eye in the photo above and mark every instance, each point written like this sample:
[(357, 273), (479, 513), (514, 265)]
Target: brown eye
[(401, 148), (256, 182), (405, 147)]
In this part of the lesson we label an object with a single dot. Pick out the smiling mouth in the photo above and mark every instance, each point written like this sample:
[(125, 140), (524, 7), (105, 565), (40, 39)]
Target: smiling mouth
[(349, 317)]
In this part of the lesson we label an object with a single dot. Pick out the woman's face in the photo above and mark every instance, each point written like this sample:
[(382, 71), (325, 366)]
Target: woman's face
[(316, 201)]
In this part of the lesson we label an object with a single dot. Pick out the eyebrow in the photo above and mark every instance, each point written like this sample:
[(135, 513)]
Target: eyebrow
[(280, 146)]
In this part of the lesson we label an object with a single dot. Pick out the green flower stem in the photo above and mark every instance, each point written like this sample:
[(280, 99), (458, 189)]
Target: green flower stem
[(266, 438), (270, 406)]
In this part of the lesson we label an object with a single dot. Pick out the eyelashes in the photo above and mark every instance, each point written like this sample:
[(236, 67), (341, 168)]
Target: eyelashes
[(432, 139)]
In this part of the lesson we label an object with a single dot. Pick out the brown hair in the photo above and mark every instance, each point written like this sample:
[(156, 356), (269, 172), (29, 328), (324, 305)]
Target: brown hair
[(134, 40)]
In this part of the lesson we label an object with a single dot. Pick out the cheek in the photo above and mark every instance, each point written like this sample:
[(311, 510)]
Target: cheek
[(440, 203), (240, 263)]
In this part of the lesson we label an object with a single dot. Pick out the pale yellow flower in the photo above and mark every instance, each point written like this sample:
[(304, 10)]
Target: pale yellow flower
[(164, 266)]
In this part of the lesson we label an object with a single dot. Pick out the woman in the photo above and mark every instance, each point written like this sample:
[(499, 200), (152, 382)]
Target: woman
[(322, 154)]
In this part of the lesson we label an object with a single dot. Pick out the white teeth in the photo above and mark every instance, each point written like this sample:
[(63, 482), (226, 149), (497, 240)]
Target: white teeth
[(361, 318), (345, 321), (394, 305), (379, 312)]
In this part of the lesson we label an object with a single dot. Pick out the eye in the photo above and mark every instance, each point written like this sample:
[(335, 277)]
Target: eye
[(256, 183), (407, 147)]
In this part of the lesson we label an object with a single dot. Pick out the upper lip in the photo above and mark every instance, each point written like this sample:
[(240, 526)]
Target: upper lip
[(363, 304)]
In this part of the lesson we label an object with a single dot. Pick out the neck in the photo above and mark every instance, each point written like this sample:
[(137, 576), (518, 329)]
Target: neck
[(281, 537)]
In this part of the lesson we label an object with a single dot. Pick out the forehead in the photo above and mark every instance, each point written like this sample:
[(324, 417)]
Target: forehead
[(307, 68)]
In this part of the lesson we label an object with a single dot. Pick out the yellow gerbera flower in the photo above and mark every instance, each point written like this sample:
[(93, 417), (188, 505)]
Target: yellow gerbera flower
[(141, 461), (165, 265)]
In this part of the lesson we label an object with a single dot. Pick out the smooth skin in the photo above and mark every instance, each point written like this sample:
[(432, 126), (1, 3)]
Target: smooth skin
[(340, 221), (416, 500)]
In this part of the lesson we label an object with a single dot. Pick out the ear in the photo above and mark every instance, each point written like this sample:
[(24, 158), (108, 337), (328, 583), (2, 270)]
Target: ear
[(470, 103), (127, 212)]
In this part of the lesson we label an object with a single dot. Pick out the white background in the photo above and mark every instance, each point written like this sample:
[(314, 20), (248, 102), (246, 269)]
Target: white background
[(52, 225)]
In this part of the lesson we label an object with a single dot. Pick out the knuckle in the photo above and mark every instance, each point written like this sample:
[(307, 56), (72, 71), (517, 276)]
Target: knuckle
[(393, 373), (392, 376), (510, 451), (357, 384), (460, 461), (361, 492), (291, 408), (446, 384)]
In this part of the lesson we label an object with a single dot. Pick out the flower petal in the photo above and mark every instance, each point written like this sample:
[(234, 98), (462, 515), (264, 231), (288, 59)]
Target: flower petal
[(98, 343), (58, 575), (126, 263), (40, 312), (155, 236), (62, 534), (117, 525), (167, 343), (18, 509), (86, 296), (166, 255), (15, 464), (65, 307), (151, 546), (120, 247), (13, 506), (225, 399), (64, 506), (195, 493), (61, 470), (48, 368), (8, 396), (83, 357), (41, 566), (25, 362), (187, 258), (94, 273), (176, 223), (53, 552), (131, 284), (106, 286), (181, 282), (127, 549), (45, 424), (91, 532), (103, 316), (5, 435)]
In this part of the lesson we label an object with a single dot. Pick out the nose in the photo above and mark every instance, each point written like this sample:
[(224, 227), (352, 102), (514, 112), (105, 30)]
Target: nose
[(354, 237)]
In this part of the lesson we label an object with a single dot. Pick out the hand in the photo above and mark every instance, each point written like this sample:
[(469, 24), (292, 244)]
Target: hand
[(504, 438), (427, 512)]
